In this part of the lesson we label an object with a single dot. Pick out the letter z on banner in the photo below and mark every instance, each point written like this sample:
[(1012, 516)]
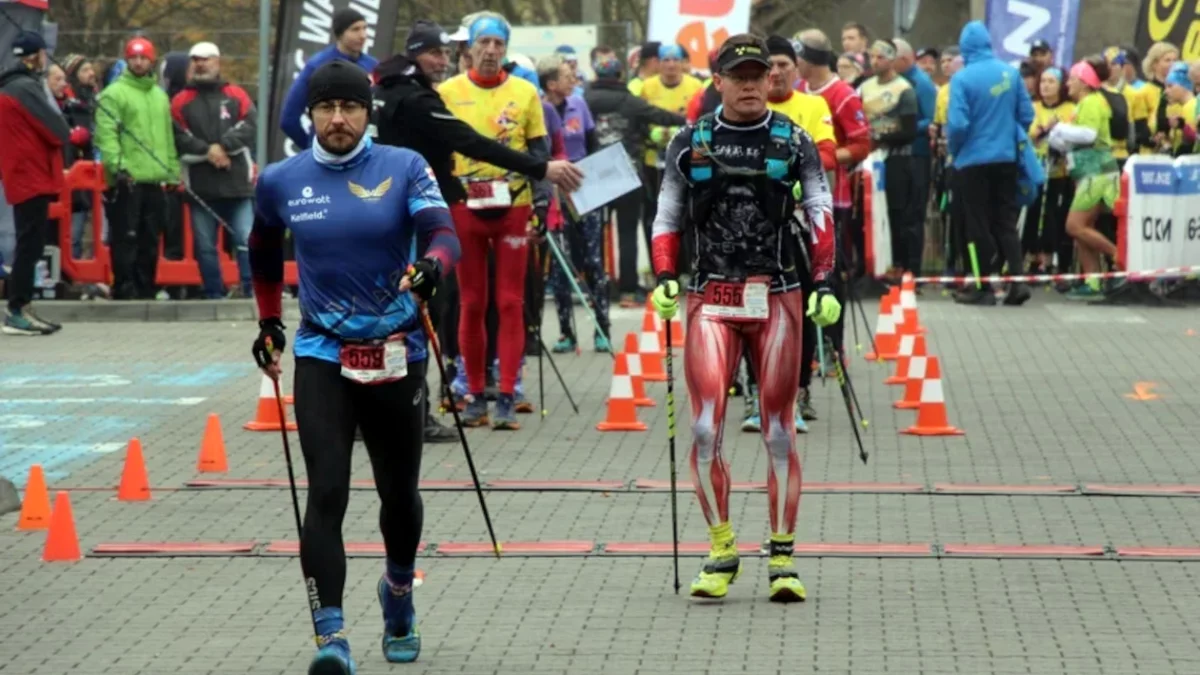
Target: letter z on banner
[(698, 25), (1015, 24), (305, 27), (1161, 226)]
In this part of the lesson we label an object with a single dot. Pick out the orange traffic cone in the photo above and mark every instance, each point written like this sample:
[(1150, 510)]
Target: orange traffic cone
[(910, 346), (266, 418), (931, 415), (62, 544), (35, 508), (651, 352), (886, 339), (912, 384), (908, 304), (212, 448), (622, 411), (135, 484), (677, 340), (634, 363)]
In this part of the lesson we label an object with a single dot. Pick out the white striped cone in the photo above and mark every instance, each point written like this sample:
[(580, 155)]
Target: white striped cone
[(913, 384), (931, 416), (622, 411), (266, 417)]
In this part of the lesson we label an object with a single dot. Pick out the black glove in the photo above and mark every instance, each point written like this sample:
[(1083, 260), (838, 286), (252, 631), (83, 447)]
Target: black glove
[(538, 224), (271, 339), (425, 275)]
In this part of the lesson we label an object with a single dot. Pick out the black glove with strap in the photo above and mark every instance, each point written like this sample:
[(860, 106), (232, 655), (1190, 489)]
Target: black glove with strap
[(271, 340), (425, 275)]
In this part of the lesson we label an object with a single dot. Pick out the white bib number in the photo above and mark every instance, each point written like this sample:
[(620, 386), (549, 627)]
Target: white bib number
[(488, 194), (375, 364), (742, 302)]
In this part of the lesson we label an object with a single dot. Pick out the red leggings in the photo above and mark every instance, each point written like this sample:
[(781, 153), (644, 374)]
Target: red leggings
[(507, 236), (711, 356)]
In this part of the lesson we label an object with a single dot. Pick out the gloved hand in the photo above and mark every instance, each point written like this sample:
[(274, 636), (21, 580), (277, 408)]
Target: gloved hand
[(423, 277), (666, 297), (537, 226), (823, 308), (269, 345), (80, 136)]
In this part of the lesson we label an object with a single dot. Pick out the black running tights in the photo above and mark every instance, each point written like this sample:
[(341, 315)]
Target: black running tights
[(328, 409)]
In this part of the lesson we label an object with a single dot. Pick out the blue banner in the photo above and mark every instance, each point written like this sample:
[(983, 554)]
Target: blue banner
[(1016, 24)]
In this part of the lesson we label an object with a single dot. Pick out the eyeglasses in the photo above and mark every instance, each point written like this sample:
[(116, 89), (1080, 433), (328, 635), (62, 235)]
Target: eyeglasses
[(330, 108)]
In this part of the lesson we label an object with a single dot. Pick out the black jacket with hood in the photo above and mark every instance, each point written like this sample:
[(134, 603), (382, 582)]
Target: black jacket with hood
[(410, 114), (215, 112), (624, 118)]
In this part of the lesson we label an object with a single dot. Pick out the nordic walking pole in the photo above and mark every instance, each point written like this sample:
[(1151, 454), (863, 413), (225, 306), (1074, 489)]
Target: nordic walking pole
[(569, 272), (427, 325), (540, 297), (553, 366), (847, 393), (310, 584), (671, 450)]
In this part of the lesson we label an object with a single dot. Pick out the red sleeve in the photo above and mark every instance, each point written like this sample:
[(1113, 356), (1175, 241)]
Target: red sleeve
[(665, 253), (828, 152), (850, 119), (179, 103), (694, 106), (238, 94), (558, 145)]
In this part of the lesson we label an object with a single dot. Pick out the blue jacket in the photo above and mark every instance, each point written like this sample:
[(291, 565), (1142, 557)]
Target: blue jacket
[(926, 102), (296, 103), (988, 103)]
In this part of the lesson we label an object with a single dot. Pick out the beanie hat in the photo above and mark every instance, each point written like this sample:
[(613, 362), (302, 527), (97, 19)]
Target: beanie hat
[(781, 46), (339, 80), (344, 18), (27, 43), (72, 63), (607, 66), (139, 46)]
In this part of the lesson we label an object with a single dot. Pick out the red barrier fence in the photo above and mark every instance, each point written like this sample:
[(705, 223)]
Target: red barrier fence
[(89, 177)]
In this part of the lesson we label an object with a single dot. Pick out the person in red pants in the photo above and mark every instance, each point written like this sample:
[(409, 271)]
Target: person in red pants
[(497, 214)]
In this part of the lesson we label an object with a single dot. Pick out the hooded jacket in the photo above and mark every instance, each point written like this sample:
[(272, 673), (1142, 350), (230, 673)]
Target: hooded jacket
[(622, 117), (988, 104), (34, 134), (410, 114), (131, 108), (215, 112)]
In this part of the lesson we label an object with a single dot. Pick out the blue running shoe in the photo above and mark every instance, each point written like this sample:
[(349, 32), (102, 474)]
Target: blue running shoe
[(523, 404), (333, 650), (476, 412), (565, 345), (398, 616), (602, 344), (506, 413), (458, 386)]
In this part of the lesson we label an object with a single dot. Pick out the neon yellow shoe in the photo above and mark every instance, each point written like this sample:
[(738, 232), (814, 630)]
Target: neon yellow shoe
[(781, 570), (723, 566)]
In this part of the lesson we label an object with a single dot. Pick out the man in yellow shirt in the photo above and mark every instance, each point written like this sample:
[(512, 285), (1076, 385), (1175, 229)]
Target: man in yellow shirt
[(809, 111), (496, 214), (671, 89), (647, 67)]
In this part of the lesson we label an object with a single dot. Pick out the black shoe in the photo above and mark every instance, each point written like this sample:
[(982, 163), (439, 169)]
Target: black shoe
[(1018, 294), (981, 296), (436, 432)]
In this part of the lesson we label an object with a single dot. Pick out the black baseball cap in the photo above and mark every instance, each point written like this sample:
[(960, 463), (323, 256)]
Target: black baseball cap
[(928, 51), (743, 48), (27, 43), (1039, 46)]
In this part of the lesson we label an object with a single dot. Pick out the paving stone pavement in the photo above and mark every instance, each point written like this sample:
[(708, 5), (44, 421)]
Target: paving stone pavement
[(1040, 390)]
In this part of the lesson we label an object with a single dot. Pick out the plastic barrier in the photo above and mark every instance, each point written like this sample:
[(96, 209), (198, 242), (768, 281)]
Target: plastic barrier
[(878, 235), (1159, 213), (89, 177)]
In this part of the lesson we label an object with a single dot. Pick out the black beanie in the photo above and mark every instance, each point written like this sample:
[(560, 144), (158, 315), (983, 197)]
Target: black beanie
[(781, 46), (339, 80), (344, 18)]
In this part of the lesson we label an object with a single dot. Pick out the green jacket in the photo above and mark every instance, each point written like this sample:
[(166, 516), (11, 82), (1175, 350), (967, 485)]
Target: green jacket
[(144, 113)]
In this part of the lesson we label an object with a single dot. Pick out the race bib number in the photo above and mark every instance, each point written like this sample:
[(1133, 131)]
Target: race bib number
[(488, 194), (737, 301), (375, 364)]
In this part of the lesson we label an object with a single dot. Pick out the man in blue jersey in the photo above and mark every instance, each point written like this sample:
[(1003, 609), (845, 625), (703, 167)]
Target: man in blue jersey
[(349, 41), (357, 213)]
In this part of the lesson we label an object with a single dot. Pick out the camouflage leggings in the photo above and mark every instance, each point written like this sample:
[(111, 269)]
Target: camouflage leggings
[(586, 234)]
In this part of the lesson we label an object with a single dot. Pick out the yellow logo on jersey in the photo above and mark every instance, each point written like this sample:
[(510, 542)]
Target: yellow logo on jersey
[(370, 195)]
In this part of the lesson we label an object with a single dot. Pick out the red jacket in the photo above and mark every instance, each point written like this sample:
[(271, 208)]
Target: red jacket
[(34, 134)]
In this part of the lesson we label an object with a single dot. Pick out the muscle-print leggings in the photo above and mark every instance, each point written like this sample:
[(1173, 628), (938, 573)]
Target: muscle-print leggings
[(711, 354), (505, 235)]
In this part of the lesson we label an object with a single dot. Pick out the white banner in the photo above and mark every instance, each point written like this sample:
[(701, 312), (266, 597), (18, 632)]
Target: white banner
[(698, 25), (1160, 227), (878, 240)]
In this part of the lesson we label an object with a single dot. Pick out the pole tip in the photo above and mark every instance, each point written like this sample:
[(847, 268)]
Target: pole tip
[(866, 423), (545, 412), (499, 548)]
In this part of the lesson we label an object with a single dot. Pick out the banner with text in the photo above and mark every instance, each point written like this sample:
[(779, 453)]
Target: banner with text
[(1015, 24), (698, 25), (1174, 21), (1161, 200), (305, 28)]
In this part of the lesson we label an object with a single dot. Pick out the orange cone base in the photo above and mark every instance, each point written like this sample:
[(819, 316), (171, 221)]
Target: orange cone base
[(267, 426), (906, 405), (656, 377), (881, 357), (621, 426), (933, 431), (644, 402), (896, 379)]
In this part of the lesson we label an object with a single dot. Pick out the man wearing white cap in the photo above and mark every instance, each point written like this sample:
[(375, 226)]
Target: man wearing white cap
[(214, 135)]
